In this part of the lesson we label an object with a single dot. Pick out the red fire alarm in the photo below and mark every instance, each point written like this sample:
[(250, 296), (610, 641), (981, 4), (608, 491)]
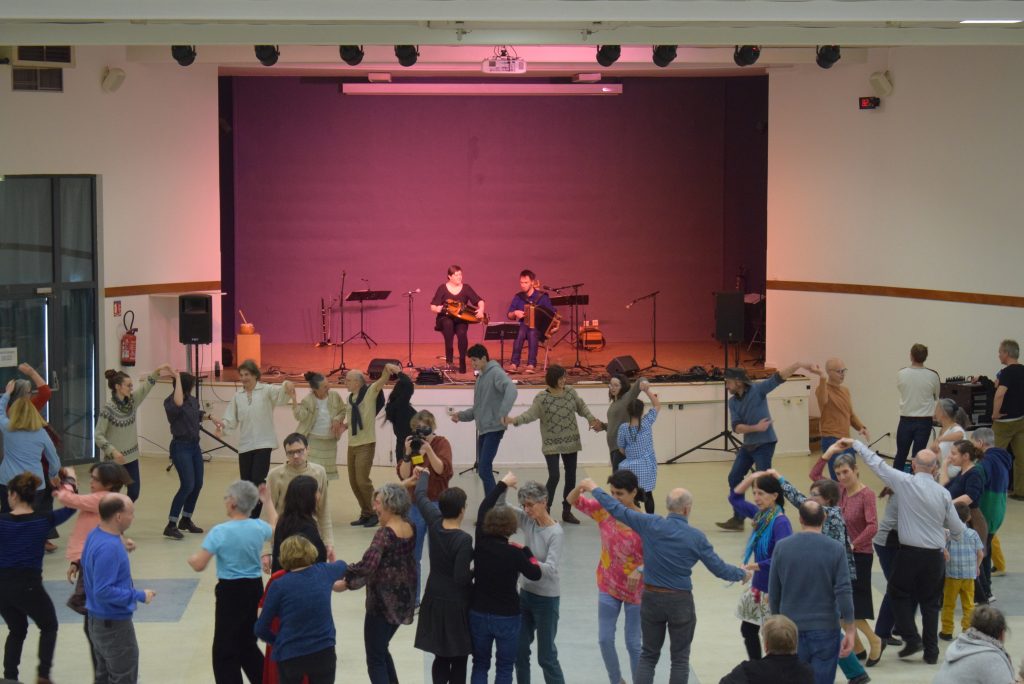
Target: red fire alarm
[(869, 102)]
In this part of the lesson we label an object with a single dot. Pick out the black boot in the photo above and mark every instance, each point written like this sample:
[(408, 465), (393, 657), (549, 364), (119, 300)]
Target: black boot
[(189, 526), (171, 531)]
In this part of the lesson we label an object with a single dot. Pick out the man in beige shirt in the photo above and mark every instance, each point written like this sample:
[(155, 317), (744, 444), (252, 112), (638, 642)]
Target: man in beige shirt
[(361, 410), (836, 405), (297, 463)]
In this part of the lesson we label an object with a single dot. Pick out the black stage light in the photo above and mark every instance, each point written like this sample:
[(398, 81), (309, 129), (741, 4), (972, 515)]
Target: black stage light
[(746, 55), (267, 54), (663, 55), (608, 54), (827, 55), (183, 54), (351, 54), (407, 54)]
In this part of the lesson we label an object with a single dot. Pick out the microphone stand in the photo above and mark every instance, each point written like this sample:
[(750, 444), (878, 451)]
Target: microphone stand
[(410, 294), (341, 315), (654, 331)]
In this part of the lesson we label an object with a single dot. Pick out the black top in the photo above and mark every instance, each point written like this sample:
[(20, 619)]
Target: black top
[(308, 530), (400, 422), (184, 419), (1012, 378), (466, 295), (971, 483), (451, 552), (772, 669), (497, 564)]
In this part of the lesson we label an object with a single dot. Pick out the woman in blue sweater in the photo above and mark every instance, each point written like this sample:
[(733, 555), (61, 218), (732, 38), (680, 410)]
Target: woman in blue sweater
[(770, 525), (22, 596), (301, 599)]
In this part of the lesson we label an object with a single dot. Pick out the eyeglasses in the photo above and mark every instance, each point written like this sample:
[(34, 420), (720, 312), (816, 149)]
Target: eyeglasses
[(841, 371), (294, 452)]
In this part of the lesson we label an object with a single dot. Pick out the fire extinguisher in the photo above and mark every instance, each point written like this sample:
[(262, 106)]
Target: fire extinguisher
[(128, 339)]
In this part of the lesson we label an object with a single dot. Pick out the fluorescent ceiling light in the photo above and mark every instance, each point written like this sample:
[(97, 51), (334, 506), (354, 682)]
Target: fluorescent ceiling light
[(494, 89), (991, 21)]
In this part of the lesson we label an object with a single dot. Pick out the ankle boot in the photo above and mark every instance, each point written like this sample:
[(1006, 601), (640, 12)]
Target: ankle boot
[(172, 531), (189, 526), (733, 524), (568, 517)]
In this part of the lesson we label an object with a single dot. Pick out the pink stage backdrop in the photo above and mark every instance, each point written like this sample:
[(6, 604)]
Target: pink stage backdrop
[(662, 188)]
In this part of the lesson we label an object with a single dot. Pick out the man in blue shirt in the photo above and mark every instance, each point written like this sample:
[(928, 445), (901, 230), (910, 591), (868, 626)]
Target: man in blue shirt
[(748, 410), (671, 549), (528, 294), (110, 595)]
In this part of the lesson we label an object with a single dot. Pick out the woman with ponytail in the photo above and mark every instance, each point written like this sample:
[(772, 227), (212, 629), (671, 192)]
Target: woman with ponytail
[(770, 525), (321, 416), (952, 420)]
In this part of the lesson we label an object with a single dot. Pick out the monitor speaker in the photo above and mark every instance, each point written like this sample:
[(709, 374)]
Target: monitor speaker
[(195, 319), (729, 316), (623, 365), (376, 368)]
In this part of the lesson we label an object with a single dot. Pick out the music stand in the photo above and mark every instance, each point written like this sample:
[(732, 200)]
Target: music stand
[(573, 301), (501, 332), (363, 296)]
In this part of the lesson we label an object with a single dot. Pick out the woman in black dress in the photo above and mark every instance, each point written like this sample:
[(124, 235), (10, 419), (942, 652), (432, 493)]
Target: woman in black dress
[(455, 289), (443, 626), (299, 517)]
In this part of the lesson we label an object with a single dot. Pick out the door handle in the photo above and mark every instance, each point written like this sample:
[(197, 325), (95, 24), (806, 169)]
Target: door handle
[(54, 382)]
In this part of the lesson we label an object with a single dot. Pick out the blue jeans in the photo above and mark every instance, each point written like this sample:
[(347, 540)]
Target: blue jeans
[(377, 633), (501, 631), (819, 648), (826, 443), (758, 455), (187, 458), (486, 451), (420, 525), (135, 488), (607, 616), (540, 615), (886, 620), (532, 335), (912, 435)]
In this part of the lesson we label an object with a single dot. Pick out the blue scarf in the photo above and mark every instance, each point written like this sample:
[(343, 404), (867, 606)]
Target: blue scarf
[(761, 537)]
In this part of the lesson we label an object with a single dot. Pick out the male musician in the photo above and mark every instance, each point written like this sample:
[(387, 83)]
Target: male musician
[(528, 294)]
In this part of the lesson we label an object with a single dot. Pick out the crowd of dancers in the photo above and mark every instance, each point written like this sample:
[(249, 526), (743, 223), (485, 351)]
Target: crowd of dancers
[(804, 611)]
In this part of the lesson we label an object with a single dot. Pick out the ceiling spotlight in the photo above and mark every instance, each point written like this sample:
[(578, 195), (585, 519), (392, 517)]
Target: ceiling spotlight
[(746, 55), (663, 55), (407, 54), (827, 56), (183, 54), (608, 54), (267, 54), (351, 54)]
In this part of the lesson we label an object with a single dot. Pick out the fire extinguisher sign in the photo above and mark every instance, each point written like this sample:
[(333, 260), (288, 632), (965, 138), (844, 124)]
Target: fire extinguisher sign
[(117, 308)]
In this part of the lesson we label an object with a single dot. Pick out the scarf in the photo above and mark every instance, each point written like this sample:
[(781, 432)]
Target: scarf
[(761, 537), (356, 418)]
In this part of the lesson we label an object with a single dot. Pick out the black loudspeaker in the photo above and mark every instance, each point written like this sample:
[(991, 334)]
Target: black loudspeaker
[(623, 365), (376, 368), (729, 316), (195, 319)]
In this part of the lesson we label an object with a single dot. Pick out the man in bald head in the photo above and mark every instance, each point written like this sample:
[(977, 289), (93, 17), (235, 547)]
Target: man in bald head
[(926, 512), (836, 405), (671, 549)]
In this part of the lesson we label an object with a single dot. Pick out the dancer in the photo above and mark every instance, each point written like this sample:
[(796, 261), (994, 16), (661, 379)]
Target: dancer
[(24, 440), (297, 516), (528, 295), (279, 482), (117, 434), (952, 419), (748, 411), (185, 417), (321, 416), (365, 401), (301, 600), (493, 396), (557, 407), (620, 572), (636, 441), (22, 537), (454, 290), (443, 624), (620, 395), (236, 545), (770, 526), (963, 562), (399, 411), (251, 410), (836, 406), (389, 575), (494, 614)]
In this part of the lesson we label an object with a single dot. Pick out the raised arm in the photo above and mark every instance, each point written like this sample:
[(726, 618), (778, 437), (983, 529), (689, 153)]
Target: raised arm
[(789, 370), (655, 401), (179, 393), (32, 375), (886, 473)]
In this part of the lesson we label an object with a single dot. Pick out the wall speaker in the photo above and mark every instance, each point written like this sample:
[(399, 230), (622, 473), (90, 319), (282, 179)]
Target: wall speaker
[(623, 365), (195, 319), (112, 79), (376, 368), (729, 316), (881, 83)]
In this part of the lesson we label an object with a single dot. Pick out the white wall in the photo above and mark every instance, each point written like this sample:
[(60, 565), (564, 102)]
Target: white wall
[(153, 144), (923, 192)]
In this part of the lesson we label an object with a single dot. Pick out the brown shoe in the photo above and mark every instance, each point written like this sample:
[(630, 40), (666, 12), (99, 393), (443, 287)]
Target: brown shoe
[(733, 524), (568, 517)]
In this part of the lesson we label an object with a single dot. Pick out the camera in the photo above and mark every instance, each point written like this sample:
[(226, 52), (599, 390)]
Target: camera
[(419, 434)]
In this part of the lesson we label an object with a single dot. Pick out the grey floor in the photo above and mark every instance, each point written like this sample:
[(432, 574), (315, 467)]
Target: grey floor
[(175, 632)]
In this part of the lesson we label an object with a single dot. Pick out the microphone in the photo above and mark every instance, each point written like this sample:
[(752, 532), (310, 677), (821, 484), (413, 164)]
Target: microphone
[(630, 305), (412, 292)]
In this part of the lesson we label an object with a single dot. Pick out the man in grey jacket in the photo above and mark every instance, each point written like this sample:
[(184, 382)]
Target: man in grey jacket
[(493, 397)]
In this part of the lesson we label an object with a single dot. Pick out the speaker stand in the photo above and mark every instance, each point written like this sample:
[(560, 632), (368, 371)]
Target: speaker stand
[(729, 441)]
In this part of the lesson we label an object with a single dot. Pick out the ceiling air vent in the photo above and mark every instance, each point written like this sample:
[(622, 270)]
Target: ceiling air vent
[(40, 56)]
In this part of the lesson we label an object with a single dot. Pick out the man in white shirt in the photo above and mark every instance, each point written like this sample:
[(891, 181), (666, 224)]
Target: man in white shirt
[(919, 390)]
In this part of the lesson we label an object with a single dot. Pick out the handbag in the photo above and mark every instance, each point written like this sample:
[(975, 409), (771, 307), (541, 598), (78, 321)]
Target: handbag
[(76, 601)]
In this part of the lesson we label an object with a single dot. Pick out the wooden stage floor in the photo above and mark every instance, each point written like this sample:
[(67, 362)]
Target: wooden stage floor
[(280, 361)]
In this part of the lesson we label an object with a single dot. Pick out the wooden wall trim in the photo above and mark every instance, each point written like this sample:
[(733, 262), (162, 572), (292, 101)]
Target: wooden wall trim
[(161, 288), (903, 292)]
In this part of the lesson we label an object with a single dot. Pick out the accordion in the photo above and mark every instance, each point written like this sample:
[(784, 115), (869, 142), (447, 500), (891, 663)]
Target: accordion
[(544, 320)]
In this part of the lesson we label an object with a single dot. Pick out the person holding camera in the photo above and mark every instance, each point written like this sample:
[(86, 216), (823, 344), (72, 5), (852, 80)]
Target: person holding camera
[(426, 449)]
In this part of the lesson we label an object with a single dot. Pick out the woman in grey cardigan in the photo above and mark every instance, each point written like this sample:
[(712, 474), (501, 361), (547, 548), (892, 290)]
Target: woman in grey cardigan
[(321, 416), (621, 394)]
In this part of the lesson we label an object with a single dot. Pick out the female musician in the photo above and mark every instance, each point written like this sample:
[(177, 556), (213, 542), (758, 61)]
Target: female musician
[(455, 290)]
